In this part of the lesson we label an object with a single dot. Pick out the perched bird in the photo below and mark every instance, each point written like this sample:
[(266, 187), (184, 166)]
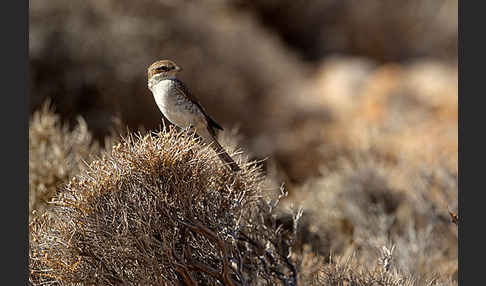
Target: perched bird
[(181, 108)]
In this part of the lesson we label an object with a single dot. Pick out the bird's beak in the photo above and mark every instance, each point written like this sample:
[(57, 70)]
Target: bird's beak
[(178, 68)]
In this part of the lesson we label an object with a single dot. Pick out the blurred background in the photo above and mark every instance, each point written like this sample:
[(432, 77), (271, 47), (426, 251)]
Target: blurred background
[(353, 103)]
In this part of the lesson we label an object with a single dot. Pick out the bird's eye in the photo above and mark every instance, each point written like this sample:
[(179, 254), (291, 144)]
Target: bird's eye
[(164, 68)]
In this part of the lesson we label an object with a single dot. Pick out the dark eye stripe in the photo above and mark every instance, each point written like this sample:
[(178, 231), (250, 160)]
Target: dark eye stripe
[(163, 68)]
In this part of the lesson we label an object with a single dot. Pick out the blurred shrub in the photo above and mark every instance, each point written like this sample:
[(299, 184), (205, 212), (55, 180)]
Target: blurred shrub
[(381, 30), (407, 111), (56, 153), (158, 210), (351, 272), (366, 202), (351, 103), (386, 164)]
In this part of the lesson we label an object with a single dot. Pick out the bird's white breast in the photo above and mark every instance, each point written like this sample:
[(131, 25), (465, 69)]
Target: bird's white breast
[(166, 98), (161, 93)]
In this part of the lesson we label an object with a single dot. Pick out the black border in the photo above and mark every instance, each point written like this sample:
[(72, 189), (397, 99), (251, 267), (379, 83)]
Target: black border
[(15, 132), (470, 271), (471, 175)]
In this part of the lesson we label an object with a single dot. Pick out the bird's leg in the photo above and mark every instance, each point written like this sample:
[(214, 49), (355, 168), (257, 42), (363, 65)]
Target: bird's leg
[(190, 129), (186, 129)]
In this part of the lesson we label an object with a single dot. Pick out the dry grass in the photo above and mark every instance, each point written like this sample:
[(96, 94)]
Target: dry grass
[(352, 273), (366, 202), (55, 154), (160, 209)]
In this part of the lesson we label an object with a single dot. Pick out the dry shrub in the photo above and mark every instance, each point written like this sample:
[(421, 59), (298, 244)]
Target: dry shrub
[(56, 153), (366, 202), (159, 210), (350, 272)]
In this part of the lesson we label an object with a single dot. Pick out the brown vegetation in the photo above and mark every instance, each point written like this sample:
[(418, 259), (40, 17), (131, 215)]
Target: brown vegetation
[(158, 210), (385, 31), (55, 154), (166, 193), (352, 107)]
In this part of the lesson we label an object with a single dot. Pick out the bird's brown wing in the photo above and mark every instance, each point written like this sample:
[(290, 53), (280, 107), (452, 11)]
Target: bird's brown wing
[(181, 87)]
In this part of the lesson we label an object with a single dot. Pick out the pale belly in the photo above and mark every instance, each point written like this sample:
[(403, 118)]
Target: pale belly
[(177, 110), (177, 116)]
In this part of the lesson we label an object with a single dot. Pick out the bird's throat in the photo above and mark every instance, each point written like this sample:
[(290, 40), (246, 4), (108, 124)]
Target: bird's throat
[(158, 78)]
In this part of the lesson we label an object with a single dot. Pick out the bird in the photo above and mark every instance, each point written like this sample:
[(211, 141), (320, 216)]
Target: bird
[(181, 107)]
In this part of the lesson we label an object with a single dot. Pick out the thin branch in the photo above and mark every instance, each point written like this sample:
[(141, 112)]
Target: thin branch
[(201, 229)]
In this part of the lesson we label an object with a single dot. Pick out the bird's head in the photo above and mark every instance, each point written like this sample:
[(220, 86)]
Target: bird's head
[(163, 69)]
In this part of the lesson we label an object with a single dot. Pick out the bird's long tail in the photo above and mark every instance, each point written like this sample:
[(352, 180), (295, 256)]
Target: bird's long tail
[(223, 155)]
